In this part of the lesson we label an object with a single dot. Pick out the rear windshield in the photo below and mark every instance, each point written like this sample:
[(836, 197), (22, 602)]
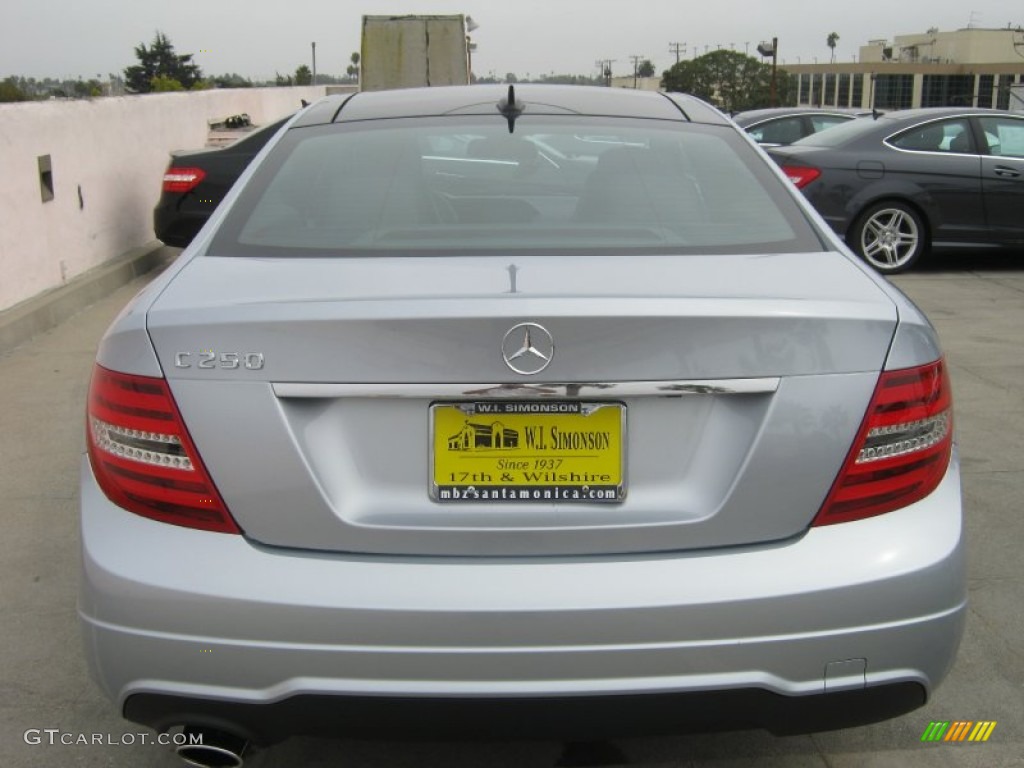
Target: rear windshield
[(457, 184)]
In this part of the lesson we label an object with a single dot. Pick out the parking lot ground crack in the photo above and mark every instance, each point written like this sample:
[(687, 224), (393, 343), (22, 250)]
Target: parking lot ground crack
[(976, 373), (979, 472), (980, 581), (1000, 281), (42, 497), (821, 752), (994, 633)]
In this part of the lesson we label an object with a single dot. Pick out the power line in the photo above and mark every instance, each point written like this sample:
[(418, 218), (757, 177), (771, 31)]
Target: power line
[(677, 48)]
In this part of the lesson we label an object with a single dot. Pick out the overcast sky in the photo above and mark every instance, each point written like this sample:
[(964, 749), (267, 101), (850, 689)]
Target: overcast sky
[(256, 38)]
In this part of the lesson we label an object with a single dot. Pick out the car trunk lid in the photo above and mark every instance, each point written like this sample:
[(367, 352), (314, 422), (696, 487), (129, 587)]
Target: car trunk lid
[(311, 386)]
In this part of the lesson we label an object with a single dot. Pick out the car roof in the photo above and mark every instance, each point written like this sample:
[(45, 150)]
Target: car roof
[(885, 125), (754, 115), (484, 99), (891, 122), (931, 113)]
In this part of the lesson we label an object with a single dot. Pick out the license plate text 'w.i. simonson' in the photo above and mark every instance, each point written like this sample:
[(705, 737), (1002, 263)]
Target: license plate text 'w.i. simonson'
[(528, 452)]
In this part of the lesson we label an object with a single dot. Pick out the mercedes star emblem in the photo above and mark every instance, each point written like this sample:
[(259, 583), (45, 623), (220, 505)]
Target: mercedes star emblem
[(527, 348)]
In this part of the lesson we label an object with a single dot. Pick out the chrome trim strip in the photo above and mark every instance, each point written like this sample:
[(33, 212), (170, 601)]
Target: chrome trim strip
[(614, 389), (976, 152)]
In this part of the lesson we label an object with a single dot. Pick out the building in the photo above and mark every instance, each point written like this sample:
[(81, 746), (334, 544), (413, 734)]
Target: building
[(473, 436), (966, 67)]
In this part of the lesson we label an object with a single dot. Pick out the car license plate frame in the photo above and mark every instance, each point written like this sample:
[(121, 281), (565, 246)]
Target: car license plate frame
[(528, 452)]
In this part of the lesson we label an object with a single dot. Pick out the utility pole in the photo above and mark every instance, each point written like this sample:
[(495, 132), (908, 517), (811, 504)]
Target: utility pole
[(314, 63), (604, 66), (636, 59), (676, 48)]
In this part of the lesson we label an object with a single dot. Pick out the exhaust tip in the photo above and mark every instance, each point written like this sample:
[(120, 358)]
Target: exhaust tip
[(209, 748)]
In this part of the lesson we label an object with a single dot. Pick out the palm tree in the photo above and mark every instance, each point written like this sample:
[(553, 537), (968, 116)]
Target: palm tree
[(831, 40), (353, 68)]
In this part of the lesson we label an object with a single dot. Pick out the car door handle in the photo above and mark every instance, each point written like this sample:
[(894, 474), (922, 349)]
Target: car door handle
[(1006, 173)]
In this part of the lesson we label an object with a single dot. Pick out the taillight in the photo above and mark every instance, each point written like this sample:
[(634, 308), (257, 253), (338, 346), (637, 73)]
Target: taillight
[(801, 175), (142, 455), (903, 447), (183, 179)]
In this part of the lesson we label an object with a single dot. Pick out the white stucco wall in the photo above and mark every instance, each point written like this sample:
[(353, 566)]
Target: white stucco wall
[(641, 83), (115, 150)]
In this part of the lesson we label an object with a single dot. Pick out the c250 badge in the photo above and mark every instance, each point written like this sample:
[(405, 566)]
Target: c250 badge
[(208, 359)]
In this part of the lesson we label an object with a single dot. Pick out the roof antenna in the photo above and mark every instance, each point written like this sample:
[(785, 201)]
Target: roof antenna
[(510, 108)]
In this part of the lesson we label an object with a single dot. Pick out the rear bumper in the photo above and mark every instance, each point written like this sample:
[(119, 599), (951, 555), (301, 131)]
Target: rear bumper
[(176, 227), (583, 718), (181, 624)]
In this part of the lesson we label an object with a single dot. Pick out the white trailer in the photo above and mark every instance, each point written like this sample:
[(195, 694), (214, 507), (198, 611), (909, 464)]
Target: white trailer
[(411, 51)]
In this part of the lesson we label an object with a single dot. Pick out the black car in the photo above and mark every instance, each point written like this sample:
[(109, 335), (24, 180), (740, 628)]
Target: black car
[(900, 183), (784, 125), (196, 181)]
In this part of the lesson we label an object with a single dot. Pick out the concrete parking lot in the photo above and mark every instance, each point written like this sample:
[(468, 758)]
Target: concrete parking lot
[(977, 303)]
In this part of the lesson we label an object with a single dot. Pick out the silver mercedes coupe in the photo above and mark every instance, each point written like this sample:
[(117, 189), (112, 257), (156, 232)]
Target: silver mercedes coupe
[(554, 410)]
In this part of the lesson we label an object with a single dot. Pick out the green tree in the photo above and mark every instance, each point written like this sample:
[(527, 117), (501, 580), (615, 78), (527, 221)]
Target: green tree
[(728, 79), (86, 89), (646, 68), (830, 41), (303, 75), (160, 60), (230, 80), (571, 80), (116, 84), (282, 80), (165, 84), (11, 91)]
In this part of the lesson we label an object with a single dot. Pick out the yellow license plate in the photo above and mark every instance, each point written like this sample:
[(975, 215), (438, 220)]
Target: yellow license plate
[(528, 452)]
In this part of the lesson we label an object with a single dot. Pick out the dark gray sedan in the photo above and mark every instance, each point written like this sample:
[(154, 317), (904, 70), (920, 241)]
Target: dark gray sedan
[(898, 184)]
